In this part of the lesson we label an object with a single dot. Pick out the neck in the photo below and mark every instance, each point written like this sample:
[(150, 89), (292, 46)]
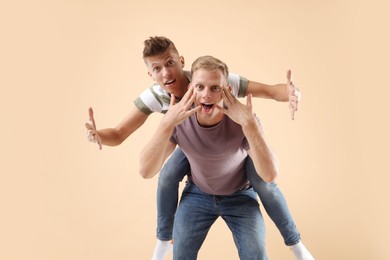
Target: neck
[(209, 121), (184, 85)]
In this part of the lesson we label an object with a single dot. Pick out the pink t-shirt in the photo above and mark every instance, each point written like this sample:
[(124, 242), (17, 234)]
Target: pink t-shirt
[(216, 154)]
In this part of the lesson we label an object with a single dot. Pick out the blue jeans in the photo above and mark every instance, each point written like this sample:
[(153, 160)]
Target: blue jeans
[(270, 195), (197, 212)]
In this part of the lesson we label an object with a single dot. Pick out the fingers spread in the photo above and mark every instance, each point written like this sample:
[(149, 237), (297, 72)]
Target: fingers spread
[(228, 98), (188, 94), (189, 102)]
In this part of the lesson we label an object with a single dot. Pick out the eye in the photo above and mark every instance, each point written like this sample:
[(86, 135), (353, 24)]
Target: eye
[(215, 89), (156, 69), (198, 87), (171, 62)]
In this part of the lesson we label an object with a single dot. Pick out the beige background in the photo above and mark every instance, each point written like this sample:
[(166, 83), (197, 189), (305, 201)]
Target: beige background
[(61, 198)]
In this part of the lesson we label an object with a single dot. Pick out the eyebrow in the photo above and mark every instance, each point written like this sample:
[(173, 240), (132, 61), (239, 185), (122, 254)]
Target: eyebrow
[(212, 86)]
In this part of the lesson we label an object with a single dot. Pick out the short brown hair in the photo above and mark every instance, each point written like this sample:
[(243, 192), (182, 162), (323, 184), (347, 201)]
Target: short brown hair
[(210, 63), (157, 45)]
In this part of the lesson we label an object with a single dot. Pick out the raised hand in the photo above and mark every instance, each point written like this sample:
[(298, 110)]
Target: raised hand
[(233, 108), (177, 113), (92, 134), (294, 95)]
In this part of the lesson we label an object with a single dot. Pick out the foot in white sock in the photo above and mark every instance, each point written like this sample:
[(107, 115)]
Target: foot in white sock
[(162, 249), (300, 252)]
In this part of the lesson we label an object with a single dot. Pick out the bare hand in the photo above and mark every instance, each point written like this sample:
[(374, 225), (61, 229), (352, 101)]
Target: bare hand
[(233, 108), (177, 113), (294, 95), (92, 134)]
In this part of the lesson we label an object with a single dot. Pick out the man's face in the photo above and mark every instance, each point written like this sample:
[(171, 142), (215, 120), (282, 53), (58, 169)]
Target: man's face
[(208, 88), (166, 70)]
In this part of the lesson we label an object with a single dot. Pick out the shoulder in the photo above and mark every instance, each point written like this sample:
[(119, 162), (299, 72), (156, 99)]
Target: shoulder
[(153, 99)]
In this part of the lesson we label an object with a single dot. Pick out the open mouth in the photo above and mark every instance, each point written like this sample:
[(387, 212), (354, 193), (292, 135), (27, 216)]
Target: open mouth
[(207, 107), (170, 82)]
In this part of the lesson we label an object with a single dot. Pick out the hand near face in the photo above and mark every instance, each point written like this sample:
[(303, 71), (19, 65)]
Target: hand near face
[(177, 113), (233, 108)]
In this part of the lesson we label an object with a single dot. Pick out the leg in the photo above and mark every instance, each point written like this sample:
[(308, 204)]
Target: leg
[(194, 217), (242, 214), (276, 206), (171, 174), (274, 203)]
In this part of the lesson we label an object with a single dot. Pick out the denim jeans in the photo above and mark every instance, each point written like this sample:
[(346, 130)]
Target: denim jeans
[(270, 195), (197, 212)]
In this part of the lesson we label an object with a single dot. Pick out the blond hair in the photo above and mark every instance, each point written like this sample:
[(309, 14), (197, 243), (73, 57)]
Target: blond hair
[(210, 63)]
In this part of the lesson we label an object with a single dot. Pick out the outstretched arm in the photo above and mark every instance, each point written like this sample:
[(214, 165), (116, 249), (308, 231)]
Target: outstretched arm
[(279, 92), (264, 159), (115, 136)]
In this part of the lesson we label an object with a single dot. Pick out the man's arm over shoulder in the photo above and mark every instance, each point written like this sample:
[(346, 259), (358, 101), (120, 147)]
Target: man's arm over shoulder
[(278, 92), (115, 136)]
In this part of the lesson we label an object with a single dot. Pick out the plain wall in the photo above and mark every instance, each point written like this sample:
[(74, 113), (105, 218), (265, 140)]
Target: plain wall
[(61, 198)]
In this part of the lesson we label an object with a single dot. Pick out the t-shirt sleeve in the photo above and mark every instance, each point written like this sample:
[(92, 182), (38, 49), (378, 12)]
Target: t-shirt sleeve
[(239, 85), (153, 99), (141, 106)]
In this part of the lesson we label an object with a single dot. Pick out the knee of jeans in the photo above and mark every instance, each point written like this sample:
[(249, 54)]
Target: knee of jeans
[(253, 251), (269, 189), (168, 177)]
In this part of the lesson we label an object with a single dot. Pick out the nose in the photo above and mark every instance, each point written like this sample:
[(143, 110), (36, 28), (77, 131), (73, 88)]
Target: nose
[(206, 93), (166, 72)]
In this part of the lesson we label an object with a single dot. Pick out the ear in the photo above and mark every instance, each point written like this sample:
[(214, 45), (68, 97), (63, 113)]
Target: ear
[(182, 61), (150, 75)]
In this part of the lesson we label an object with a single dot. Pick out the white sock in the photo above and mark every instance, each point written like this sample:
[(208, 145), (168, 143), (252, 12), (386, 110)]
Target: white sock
[(162, 249), (300, 252)]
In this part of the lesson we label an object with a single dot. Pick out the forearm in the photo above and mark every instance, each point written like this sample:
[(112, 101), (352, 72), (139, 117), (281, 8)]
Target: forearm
[(278, 92), (115, 136), (156, 151), (111, 136), (264, 159)]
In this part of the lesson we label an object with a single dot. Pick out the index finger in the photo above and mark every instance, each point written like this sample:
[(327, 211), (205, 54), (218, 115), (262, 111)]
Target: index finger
[(188, 95), (227, 95), (91, 119), (290, 84)]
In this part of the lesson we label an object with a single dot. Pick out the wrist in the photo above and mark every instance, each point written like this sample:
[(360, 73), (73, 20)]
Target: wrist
[(249, 122), (166, 126)]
